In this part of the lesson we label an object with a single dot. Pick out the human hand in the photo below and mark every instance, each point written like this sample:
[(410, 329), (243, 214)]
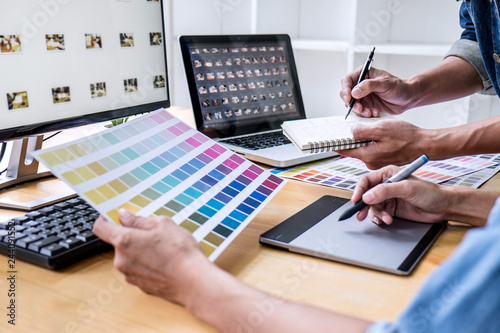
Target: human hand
[(392, 142), (154, 254), (379, 91), (411, 199)]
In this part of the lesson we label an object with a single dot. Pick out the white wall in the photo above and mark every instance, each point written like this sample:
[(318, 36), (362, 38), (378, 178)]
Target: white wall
[(330, 37)]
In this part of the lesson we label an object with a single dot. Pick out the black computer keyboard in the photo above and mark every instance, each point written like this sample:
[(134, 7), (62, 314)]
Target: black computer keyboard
[(259, 141), (54, 236)]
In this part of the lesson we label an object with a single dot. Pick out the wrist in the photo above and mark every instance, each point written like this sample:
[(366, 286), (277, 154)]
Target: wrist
[(471, 206)]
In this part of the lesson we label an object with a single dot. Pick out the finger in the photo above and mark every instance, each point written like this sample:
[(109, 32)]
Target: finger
[(131, 221), (378, 215), (105, 230), (400, 190), (369, 180)]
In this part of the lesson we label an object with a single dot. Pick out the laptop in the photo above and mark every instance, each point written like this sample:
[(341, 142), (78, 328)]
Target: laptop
[(242, 88), (316, 231)]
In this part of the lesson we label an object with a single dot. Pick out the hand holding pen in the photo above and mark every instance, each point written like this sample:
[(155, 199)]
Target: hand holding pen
[(402, 174), (362, 75)]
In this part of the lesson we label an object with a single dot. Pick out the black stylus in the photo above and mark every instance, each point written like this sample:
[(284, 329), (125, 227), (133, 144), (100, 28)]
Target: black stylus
[(362, 75), (402, 174)]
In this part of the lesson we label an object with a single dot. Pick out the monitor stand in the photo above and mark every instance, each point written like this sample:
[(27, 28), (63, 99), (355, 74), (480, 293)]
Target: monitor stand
[(24, 168)]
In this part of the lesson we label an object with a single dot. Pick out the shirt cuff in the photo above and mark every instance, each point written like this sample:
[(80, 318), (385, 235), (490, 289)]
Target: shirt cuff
[(468, 50), (383, 326)]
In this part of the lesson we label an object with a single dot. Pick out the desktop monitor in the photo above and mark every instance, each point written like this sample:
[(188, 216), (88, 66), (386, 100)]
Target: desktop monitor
[(71, 63)]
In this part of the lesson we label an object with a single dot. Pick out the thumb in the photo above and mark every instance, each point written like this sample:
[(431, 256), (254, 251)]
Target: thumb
[(362, 132)]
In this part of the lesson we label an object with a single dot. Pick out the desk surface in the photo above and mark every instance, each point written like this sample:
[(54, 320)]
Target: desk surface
[(92, 296)]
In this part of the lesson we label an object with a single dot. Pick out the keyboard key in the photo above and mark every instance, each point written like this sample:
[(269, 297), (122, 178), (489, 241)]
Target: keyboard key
[(24, 242), (52, 250), (70, 242), (36, 246), (15, 237), (86, 235)]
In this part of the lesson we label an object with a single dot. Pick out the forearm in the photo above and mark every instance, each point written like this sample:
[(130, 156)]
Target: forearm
[(232, 306), (453, 78), (480, 137), (468, 205)]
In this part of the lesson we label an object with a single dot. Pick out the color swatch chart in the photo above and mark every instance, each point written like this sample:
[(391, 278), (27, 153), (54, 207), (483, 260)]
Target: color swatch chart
[(341, 172), (441, 171), (157, 165), (344, 172), (477, 178)]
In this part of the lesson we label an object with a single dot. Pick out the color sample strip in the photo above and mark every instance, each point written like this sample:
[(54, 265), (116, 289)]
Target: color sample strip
[(344, 172), (143, 166)]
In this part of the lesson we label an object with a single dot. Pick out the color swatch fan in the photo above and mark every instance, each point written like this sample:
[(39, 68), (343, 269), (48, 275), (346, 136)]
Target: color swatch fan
[(157, 165)]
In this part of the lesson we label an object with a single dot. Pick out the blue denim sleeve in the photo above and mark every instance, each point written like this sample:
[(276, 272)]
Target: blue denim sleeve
[(467, 24), (462, 295)]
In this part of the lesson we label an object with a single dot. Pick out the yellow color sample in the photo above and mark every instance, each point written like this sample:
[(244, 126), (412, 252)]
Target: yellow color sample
[(72, 177), (85, 173), (131, 208), (95, 197), (164, 212), (118, 186), (97, 168), (113, 215), (106, 191), (50, 159), (207, 248), (64, 155), (140, 201), (189, 226), (77, 150)]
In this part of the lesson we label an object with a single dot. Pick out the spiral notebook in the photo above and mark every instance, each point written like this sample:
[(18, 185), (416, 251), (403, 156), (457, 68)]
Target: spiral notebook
[(327, 133)]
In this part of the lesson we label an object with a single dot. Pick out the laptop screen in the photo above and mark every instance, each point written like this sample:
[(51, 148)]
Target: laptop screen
[(241, 84)]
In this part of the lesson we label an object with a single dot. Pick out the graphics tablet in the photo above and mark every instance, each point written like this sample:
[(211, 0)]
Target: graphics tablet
[(316, 231)]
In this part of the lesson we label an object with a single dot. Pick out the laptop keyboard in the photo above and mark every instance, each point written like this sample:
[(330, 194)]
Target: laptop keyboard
[(54, 236), (259, 141)]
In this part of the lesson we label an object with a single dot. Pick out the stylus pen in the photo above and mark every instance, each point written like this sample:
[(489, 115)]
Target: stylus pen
[(362, 75), (402, 174)]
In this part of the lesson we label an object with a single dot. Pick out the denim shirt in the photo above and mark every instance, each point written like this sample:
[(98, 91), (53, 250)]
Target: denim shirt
[(463, 294), (480, 41)]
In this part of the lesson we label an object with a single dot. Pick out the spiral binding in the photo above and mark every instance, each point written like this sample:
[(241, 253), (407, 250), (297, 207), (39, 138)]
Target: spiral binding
[(339, 144)]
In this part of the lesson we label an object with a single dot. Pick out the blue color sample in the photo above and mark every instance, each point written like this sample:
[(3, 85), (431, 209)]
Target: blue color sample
[(237, 185), (209, 180), (179, 174), (201, 186), (245, 209), (188, 169), (215, 204), (229, 191), (196, 163), (238, 216), (231, 223), (207, 211), (258, 196), (222, 197)]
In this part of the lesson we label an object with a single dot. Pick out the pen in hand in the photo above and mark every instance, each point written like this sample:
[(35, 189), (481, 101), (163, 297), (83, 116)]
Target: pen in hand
[(362, 75), (402, 174)]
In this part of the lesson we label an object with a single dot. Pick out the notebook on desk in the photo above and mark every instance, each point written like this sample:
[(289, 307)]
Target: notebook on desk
[(242, 88)]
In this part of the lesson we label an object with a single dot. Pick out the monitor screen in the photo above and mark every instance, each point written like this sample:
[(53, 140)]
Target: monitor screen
[(68, 63), (241, 84)]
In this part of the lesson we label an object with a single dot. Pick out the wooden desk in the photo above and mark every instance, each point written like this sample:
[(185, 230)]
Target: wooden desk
[(91, 296)]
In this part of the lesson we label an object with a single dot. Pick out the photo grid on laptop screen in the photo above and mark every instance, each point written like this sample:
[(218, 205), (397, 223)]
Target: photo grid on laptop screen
[(244, 82)]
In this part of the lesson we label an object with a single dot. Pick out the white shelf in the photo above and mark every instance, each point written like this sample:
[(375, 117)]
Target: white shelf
[(406, 49), (320, 45)]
